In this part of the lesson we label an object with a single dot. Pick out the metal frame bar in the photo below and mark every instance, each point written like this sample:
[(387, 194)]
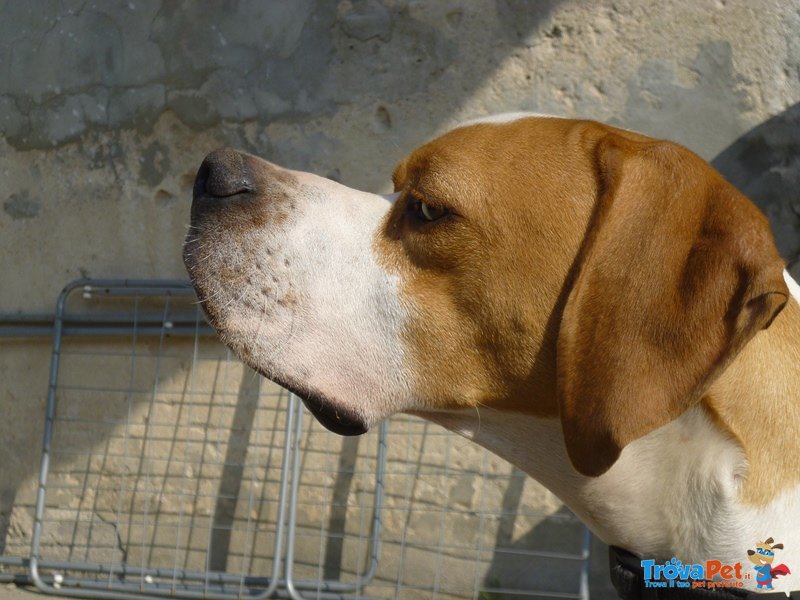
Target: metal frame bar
[(77, 587), (333, 589)]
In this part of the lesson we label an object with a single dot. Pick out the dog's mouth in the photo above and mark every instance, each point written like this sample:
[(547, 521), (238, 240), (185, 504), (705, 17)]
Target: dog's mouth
[(339, 420), (335, 419)]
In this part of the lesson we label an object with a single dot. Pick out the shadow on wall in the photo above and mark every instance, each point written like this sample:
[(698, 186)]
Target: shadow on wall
[(515, 564), (764, 164), (113, 68)]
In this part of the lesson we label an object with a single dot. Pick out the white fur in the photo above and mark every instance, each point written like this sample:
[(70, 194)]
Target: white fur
[(344, 335), (794, 289), (673, 492), (311, 306), (507, 118)]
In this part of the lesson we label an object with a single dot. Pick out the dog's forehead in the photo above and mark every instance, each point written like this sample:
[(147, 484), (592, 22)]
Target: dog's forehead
[(457, 147), (512, 158), (494, 140)]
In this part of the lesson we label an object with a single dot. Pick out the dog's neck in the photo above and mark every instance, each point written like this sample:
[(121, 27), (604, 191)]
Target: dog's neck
[(756, 401), (652, 501), (709, 485)]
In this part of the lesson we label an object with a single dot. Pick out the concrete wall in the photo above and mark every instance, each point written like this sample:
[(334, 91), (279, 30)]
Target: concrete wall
[(107, 109)]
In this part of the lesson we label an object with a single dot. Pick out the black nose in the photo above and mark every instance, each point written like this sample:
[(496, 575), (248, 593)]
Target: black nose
[(223, 173)]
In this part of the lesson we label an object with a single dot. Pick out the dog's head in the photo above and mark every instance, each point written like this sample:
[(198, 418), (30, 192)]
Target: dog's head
[(545, 266)]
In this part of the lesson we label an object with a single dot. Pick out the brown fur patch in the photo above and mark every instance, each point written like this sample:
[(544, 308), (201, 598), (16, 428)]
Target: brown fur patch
[(677, 273), (484, 284), (756, 401)]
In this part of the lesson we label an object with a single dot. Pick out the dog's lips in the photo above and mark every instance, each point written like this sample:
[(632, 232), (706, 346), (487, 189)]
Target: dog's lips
[(333, 417), (336, 419)]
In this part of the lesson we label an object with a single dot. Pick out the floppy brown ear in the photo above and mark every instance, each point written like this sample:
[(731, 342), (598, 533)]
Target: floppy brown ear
[(677, 272)]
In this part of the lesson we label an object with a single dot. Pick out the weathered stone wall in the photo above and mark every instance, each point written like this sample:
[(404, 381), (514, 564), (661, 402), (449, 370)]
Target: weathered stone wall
[(107, 109)]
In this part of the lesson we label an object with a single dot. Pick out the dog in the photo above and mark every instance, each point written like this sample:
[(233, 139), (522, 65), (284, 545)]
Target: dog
[(600, 308)]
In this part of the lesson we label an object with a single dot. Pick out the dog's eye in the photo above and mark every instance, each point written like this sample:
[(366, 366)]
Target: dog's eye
[(426, 212)]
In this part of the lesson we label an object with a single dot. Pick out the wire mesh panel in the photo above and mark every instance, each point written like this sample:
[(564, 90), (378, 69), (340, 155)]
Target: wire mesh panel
[(163, 455), (456, 521), (169, 468)]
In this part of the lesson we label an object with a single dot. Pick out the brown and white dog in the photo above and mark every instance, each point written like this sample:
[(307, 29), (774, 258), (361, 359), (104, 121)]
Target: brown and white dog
[(600, 308)]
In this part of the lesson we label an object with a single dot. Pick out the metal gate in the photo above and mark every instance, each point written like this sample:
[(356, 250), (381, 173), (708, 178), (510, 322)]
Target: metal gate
[(170, 469)]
